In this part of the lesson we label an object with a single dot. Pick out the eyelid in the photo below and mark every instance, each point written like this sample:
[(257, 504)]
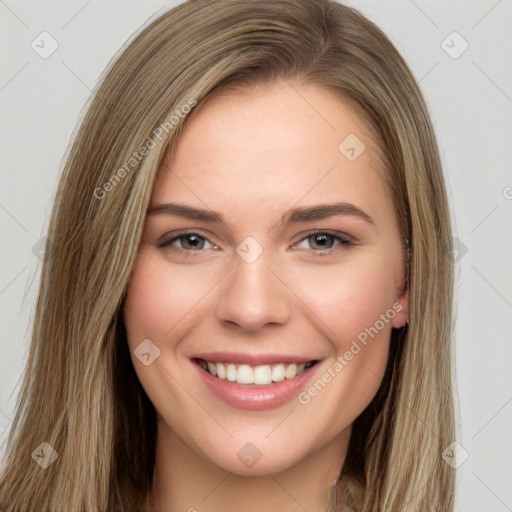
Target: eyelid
[(166, 240), (345, 239), (345, 242), (335, 234)]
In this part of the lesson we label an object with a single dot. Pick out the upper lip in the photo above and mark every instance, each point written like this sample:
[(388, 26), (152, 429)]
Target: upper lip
[(251, 359)]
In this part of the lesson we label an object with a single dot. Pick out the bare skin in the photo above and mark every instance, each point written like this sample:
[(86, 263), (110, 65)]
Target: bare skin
[(251, 157)]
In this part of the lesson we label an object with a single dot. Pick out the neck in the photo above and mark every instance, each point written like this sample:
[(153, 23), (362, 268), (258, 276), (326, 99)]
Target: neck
[(187, 482)]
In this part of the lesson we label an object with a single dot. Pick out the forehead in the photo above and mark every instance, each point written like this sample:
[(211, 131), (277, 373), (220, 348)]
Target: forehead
[(273, 146)]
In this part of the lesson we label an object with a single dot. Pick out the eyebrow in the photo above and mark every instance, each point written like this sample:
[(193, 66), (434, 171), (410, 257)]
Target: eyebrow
[(294, 215)]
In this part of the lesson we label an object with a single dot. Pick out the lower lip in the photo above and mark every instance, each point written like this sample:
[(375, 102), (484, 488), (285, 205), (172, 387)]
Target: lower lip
[(258, 398)]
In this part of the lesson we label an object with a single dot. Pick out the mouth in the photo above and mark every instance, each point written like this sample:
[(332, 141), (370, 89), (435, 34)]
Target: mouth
[(254, 375), (255, 381)]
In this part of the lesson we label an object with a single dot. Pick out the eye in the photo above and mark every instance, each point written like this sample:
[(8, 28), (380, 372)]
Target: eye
[(324, 242), (188, 241), (319, 242)]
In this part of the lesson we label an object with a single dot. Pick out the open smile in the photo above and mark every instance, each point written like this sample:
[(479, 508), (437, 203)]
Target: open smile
[(259, 375), (255, 386)]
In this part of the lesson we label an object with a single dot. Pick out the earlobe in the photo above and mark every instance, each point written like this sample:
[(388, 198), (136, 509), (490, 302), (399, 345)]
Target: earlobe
[(401, 308)]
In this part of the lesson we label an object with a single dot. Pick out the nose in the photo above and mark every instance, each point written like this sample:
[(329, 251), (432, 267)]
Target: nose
[(253, 296)]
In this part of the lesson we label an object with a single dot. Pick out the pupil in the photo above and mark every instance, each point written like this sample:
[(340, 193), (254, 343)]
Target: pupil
[(192, 241), (322, 241)]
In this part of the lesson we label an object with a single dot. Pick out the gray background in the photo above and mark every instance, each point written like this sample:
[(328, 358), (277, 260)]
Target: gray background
[(470, 98)]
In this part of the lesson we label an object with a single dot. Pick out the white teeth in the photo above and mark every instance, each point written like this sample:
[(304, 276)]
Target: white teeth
[(291, 371), (221, 371), (213, 368), (231, 372), (278, 373), (262, 375), (259, 375), (245, 375)]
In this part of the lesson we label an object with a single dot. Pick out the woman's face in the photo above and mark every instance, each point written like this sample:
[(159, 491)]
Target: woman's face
[(271, 254)]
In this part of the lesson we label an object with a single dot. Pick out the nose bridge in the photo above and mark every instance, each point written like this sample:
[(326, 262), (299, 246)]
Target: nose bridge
[(252, 295)]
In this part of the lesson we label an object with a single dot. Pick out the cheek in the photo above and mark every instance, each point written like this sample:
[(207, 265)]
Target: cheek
[(351, 304), (161, 304), (348, 306), (349, 298), (158, 298)]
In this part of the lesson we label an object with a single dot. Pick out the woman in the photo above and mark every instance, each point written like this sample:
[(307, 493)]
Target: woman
[(246, 301)]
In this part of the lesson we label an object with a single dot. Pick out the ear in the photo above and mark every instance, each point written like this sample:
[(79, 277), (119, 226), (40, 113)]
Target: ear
[(401, 307)]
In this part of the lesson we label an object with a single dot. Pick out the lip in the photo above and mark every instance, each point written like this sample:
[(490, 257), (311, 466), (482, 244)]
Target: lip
[(256, 398), (251, 359)]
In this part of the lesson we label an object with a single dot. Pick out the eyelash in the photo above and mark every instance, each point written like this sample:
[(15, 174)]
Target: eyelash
[(342, 239)]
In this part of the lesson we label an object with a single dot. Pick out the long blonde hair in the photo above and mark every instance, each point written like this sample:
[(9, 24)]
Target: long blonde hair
[(80, 393)]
